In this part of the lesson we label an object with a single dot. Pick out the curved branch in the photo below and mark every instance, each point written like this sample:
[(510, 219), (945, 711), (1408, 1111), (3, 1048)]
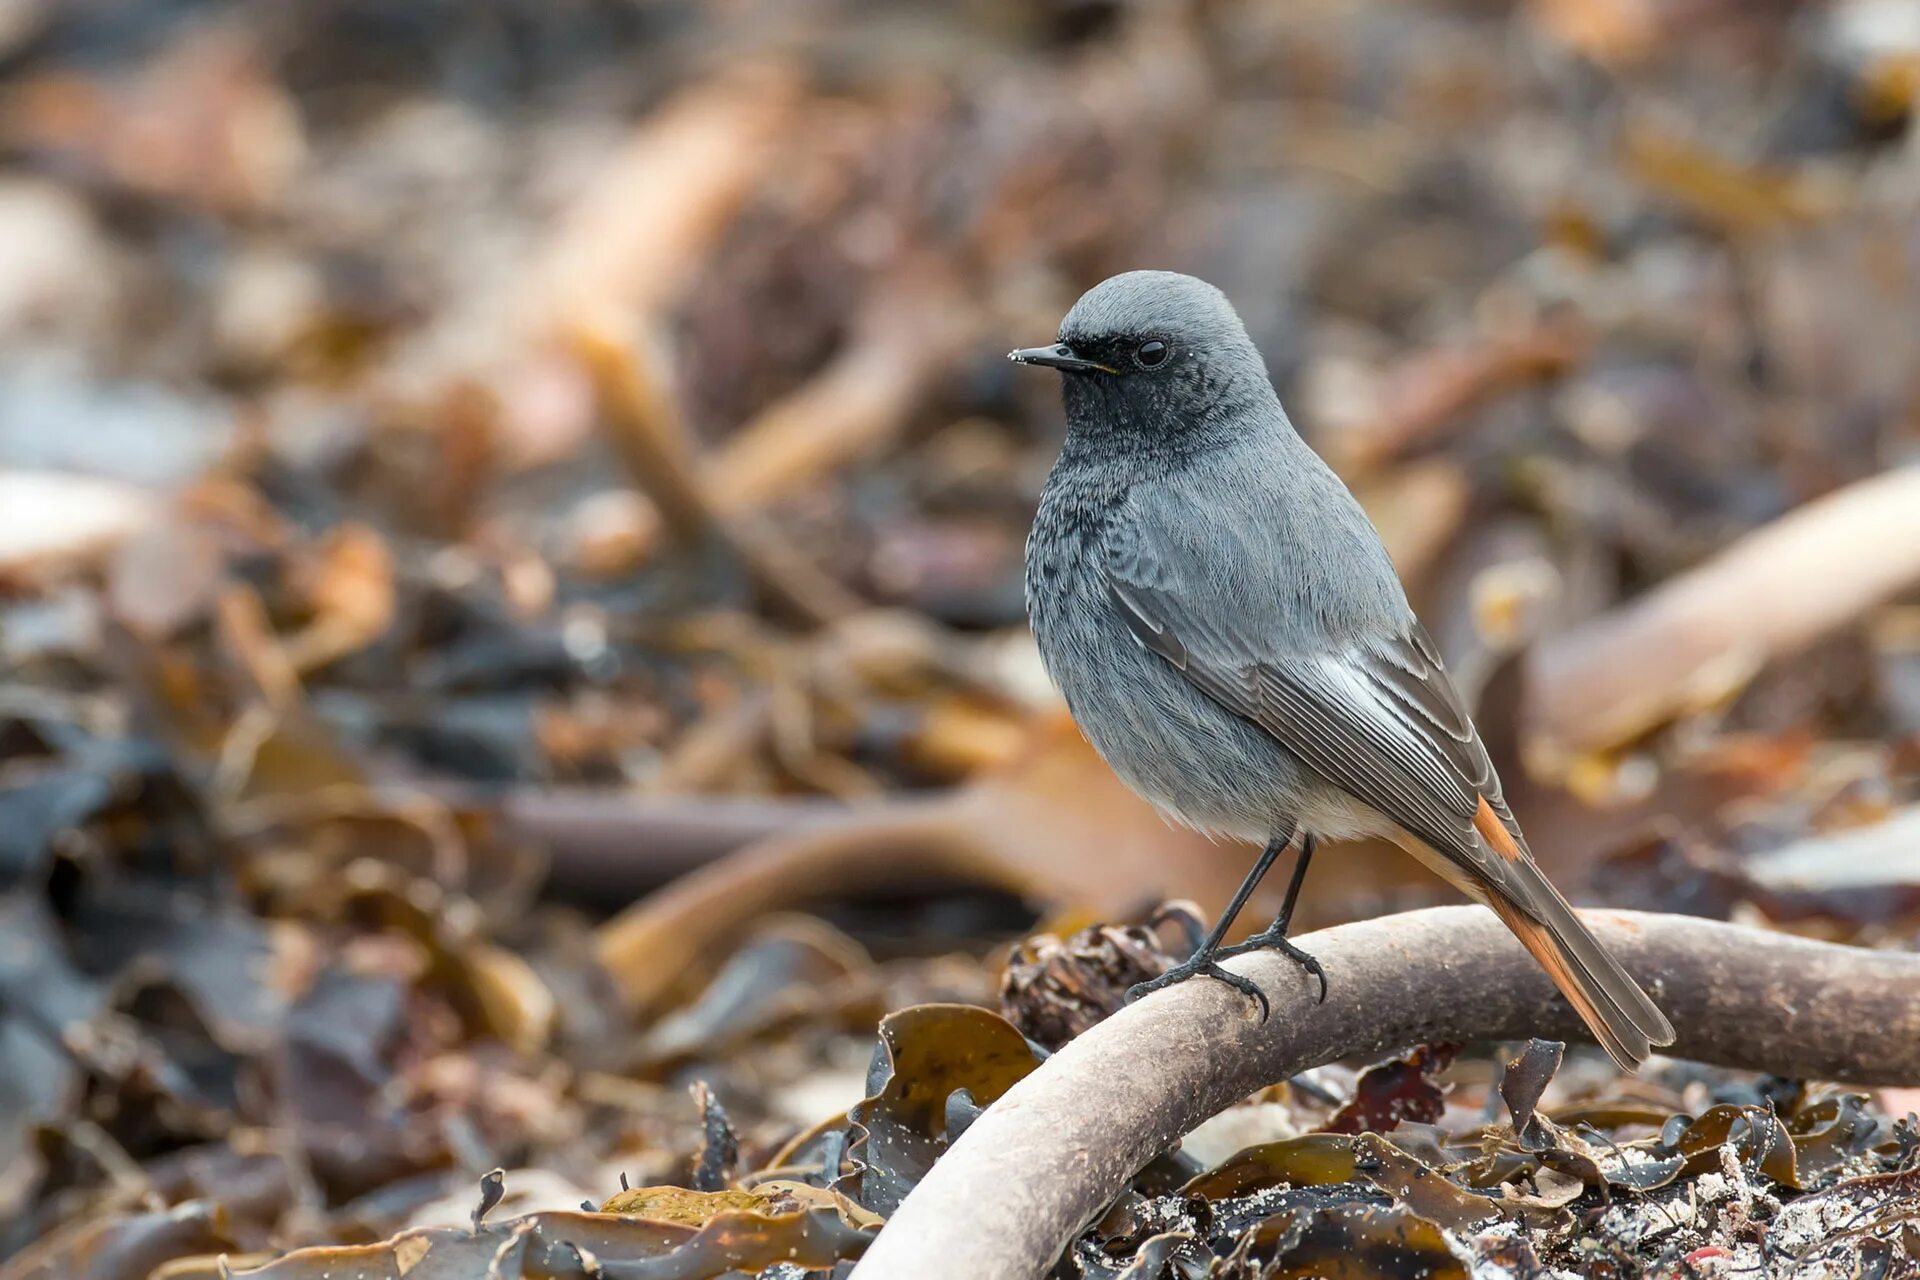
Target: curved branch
[(648, 948), (1041, 1161)]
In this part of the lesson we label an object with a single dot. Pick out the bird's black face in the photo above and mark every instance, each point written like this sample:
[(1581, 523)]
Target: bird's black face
[(1114, 356), (1154, 357)]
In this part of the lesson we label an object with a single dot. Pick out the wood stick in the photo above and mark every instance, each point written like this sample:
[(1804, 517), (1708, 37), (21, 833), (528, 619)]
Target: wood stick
[(655, 947), (1045, 1158), (1696, 639), (652, 439), (613, 846), (855, 406), (1429, 392), (657, 205)]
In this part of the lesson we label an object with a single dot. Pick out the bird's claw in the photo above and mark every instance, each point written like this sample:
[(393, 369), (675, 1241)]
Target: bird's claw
[(1199, 966), (1271, 941), (1187, 916)]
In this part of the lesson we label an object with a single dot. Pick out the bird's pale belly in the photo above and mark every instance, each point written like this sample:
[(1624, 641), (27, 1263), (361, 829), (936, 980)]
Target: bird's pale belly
[(1320, 809)]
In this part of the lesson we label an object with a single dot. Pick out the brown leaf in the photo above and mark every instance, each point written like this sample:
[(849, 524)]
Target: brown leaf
[(1734, 197), (720, 1146), (1325, 1159), (1352, 1242), (1404, 1088), (930, 1052), (205, 123), (121, 1246), (680, 1205), (1527, 1077), (349, 587)]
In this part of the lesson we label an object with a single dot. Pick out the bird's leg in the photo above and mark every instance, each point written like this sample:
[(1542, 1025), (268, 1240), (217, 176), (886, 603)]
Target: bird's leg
[(1282, 921), (1274, 936), (1202, 961)]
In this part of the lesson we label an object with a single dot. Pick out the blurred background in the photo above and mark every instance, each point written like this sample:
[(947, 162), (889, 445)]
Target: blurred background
[(511, 517)]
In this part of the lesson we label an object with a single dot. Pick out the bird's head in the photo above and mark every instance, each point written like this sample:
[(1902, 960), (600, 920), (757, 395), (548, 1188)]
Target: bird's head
[(1154, 354)]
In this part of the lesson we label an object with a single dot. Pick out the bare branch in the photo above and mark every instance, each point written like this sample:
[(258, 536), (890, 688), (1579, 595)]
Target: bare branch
[(1698, 637), (1045, 1158)]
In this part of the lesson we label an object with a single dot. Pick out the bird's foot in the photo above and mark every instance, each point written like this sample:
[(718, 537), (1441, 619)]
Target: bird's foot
[(1277, 940), (1202, 966)]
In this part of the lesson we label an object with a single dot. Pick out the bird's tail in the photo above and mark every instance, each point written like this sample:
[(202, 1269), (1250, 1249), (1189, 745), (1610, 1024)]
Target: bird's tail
[(1623, 1019), (1620, 1015)]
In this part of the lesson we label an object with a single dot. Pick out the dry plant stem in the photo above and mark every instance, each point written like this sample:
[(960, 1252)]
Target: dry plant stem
[(1433, 390), (654, 444), (651, 948), (1025, 828), (614, 846), (1697, 637), (711, 749), (658, 203), (1057, 1147), (853, 407)]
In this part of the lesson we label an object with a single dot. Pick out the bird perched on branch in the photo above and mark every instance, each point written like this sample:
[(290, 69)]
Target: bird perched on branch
[(1231, 636)]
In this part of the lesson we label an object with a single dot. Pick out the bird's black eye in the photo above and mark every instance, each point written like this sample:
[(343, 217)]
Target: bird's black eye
[(1150, 353)]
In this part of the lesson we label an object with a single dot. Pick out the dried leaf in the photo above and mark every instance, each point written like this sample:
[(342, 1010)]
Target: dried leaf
[(689, 1208), (925, 1054), (1526, 1078), (349, 588), (121, 1245), (720, 1149), (1404, 1088), (1352, 1242)]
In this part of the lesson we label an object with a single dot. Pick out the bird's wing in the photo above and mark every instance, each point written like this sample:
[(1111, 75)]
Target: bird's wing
[(1380, 720), (1378, 717)]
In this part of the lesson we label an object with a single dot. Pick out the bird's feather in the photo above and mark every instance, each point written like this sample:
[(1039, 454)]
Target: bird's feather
[(1371, 711)]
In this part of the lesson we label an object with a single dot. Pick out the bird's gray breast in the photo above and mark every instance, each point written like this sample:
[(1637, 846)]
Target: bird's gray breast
[(1166, 739)]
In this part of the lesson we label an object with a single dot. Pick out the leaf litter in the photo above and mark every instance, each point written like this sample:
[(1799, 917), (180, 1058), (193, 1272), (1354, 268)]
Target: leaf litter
[(374, 626)]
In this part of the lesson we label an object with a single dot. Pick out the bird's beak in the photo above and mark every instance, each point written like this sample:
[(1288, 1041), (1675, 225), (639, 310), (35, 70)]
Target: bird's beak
[(1058, 356)]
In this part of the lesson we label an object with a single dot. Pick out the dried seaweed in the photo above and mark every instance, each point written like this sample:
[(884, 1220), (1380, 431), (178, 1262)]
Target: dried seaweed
[(1390, 1092), (372, 630), (926, 1055)]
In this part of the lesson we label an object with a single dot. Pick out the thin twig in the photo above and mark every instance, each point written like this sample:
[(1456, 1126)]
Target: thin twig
[(651, 438)]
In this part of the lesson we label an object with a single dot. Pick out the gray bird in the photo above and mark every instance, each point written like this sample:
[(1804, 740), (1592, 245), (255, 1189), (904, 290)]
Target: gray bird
[(1229, 633)]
